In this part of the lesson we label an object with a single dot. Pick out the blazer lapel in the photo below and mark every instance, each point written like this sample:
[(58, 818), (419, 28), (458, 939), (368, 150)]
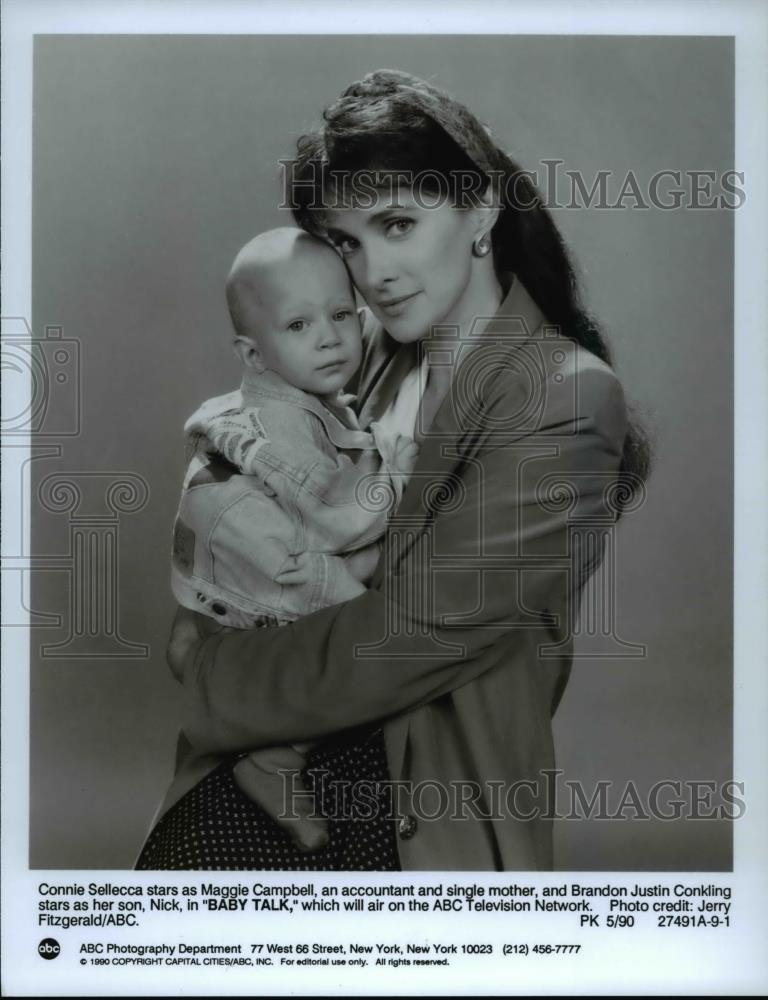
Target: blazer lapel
[(517, 320)]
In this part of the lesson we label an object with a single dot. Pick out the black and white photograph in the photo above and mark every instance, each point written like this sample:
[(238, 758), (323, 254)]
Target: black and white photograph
[(377, 515)]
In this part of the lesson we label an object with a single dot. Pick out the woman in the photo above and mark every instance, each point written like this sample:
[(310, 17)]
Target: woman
[(462, 644)]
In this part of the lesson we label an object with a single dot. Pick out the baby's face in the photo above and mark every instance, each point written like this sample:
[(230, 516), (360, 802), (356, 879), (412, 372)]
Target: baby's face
[(305, 323)]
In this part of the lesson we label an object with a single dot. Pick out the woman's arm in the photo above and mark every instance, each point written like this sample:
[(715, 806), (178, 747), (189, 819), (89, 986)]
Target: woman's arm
[(428, 624)]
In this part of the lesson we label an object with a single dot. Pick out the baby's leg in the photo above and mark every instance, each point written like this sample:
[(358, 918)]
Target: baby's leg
[(271, 778)]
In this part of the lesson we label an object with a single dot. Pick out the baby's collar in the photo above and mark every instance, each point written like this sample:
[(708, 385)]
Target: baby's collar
[(269, 383), (272, 382)]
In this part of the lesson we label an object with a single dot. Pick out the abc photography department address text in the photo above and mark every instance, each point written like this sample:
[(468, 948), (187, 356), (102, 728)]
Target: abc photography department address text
[(101, 924)]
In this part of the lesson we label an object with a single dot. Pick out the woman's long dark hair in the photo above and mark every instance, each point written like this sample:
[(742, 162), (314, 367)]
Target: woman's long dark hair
[(380, 126)]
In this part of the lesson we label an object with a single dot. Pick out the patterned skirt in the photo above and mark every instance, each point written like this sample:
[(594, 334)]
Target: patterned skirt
[(215, 827)]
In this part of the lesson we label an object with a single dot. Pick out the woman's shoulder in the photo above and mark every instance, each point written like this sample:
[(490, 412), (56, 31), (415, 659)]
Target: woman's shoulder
[(571, 362), (591, 390), (557, 363), (595, 378), (560, 384)]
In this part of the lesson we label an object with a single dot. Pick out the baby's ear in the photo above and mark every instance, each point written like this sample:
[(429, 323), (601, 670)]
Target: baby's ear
[(361, 317), (248, 354)]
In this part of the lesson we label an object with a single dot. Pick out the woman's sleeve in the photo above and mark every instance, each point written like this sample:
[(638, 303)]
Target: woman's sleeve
[(480, 572)]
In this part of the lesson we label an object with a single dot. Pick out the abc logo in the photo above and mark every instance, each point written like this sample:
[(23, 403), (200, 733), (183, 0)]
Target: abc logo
[(49, 948)]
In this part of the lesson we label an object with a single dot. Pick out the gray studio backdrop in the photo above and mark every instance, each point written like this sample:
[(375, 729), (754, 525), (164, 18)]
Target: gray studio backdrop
[(155, 158)]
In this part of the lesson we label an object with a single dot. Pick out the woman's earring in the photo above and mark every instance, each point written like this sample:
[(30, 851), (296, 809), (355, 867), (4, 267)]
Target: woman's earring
[(481, 246)]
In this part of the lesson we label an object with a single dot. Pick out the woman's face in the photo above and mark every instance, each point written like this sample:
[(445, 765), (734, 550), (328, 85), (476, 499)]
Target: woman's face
[(412, 263)]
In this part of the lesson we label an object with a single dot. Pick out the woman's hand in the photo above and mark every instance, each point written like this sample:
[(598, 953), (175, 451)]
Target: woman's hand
[(187, 632)]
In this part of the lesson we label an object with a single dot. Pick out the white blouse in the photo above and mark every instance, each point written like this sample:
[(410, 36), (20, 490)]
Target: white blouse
[(400, 416)]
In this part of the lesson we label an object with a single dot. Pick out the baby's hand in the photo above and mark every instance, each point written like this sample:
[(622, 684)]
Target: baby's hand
[(188, 631), (296, 570), (405, 451), (361, 564)]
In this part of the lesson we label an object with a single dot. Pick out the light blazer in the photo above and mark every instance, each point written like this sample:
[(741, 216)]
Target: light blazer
[(485, 561)]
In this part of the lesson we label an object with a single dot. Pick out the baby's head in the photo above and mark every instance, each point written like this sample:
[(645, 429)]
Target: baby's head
[(293, 310)]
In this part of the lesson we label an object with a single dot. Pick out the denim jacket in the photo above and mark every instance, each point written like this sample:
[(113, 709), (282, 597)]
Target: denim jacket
[(274, 472)]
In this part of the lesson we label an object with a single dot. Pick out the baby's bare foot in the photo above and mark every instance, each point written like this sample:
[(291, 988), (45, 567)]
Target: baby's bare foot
[(271, 779)]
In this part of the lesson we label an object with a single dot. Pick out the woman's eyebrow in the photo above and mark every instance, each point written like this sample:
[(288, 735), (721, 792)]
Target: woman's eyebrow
[(384, 213)]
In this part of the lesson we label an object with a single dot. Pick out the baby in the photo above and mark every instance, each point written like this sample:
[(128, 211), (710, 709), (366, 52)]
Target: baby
[(281, 511)]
